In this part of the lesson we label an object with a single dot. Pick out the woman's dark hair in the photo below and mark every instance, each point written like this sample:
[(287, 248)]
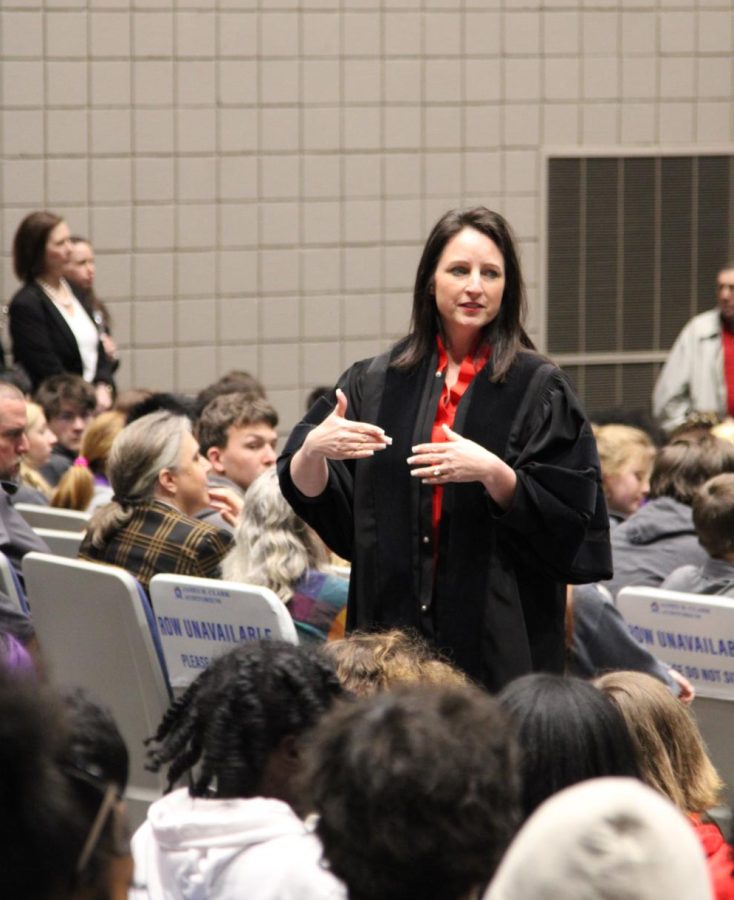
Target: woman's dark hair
[(568, 732), (46, 812), (238, 711), (506, 333), (95, 740), (680, 468), (29, 244)]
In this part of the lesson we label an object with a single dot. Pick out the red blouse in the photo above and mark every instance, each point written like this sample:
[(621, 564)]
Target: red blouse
[(727, 341), (446, 410)]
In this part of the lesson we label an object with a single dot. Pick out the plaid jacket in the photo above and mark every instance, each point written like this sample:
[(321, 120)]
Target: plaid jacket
[(160, 539)]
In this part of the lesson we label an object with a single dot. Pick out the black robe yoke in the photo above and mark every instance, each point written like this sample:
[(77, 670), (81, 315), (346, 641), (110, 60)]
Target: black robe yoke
[(495, 602)]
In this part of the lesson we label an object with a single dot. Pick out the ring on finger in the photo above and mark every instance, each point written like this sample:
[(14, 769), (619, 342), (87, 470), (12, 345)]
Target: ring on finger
[(437, 472)]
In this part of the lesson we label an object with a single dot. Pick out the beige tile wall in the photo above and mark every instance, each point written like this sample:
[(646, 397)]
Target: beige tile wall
[(258, 177)]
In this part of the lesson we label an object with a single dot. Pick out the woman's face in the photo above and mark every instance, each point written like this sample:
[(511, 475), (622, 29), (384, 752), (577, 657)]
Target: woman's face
[(469, 283), (626, 489), (58, 251), (80, 267), (40, 441), (190, 477)]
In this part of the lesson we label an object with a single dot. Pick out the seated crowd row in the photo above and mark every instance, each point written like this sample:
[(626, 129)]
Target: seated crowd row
[(187, 486), (367, 768)]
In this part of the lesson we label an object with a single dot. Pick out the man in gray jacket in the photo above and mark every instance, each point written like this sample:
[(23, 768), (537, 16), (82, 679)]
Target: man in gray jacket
[(693, 377)]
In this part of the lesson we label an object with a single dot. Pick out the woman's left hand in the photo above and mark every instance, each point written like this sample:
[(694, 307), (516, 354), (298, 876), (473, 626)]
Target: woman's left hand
[(460, 460), (456, 459)]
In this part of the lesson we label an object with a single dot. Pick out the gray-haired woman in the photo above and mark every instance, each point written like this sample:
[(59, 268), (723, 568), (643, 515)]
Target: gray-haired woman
[(159, 480)]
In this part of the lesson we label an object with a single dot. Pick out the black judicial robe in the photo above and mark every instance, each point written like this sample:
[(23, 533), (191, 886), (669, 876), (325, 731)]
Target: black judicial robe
[(496, 599)]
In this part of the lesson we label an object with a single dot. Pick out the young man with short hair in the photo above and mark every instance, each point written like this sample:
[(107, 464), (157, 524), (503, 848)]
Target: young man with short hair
[(68, 403), (237, 435)]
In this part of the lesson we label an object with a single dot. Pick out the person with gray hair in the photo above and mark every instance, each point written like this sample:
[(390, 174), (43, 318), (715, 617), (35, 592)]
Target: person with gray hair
[(159, 480), (276, 549), (16, 537)]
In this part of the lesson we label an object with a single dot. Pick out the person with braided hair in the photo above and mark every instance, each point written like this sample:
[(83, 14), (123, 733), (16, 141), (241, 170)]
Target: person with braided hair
[(236, 734)]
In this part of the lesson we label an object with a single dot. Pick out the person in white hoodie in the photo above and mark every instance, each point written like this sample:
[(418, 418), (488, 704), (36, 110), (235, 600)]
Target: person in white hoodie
[(236, 734)]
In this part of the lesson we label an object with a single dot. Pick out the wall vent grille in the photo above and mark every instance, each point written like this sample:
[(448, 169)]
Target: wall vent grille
[(633, 246)]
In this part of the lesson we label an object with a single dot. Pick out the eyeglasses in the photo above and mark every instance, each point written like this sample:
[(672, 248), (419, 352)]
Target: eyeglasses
[(111, 805)]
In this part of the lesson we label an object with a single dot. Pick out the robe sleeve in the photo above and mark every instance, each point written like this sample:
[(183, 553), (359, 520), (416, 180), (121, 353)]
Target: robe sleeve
[(558, 517), (331, 514)]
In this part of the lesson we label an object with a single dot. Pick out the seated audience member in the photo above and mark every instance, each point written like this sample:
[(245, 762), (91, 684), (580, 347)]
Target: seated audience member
[(179, 404), (416, 790), (601, 641), (97, 758), (660, 536), (381, 660), (16, 537), (605, 839), (568, 732), (85, 486), (62, 828), (236, 381), (713, 518), (68, 403), (33, 486), (274, 548), (159, 482), (237, 733), (237, 435), (94, 737), (696, 426), (672, 759), (626, 456)]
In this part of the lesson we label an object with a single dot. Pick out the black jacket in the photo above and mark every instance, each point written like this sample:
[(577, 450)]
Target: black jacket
[(496, 600), (43, 344)]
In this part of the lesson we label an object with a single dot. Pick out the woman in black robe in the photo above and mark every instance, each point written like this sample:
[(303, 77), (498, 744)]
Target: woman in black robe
[(458, 471)]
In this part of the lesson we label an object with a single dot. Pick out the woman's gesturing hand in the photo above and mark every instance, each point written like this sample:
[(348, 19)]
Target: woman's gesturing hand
[(457, 459), (340, 438)]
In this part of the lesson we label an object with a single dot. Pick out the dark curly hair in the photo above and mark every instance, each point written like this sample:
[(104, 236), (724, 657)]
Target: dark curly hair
[(417, 791), (236, 714)]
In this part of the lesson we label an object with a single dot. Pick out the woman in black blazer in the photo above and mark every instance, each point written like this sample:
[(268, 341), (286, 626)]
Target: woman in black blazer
[(51, 330)]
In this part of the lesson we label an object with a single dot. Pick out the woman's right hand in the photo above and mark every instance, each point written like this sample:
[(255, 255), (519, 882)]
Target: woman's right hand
[(340, 438)]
